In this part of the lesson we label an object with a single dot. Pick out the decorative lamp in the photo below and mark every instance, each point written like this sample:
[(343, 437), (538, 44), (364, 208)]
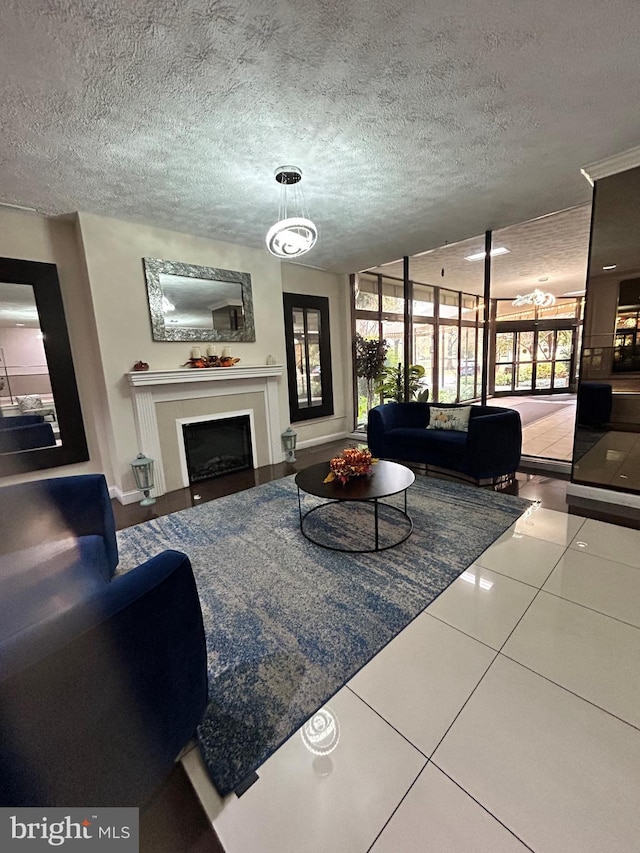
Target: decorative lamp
[(294, 233), (537, 297), (289, 439), (142, 468)]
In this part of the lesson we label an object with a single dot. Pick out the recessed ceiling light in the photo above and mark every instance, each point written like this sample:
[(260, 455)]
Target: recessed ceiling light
[(19, 324), (610, 267), (478, 256)]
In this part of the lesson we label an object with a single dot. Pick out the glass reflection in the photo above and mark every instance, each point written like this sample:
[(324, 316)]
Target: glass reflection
[(607, 439), (196, 303), (28, 416), (306, 330)]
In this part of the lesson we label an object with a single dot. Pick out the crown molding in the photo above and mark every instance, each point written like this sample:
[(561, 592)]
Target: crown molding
[(612, 165)]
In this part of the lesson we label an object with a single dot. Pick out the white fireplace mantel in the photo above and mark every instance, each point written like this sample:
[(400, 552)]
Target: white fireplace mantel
[(150, 387)]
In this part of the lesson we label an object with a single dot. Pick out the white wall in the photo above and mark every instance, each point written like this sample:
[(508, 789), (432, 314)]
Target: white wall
[(113, 251), (99, 262)]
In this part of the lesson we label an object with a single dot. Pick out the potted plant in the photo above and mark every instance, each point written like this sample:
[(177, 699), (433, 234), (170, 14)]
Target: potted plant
[(370, 355), (391, 384)]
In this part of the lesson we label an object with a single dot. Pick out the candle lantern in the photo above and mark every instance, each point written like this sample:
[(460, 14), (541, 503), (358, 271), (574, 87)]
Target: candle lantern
[(289, 439), (142, 467)]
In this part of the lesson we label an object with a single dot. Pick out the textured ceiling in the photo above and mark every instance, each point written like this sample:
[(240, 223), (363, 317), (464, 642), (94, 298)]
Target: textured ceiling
[(553, 247), (413, 123)]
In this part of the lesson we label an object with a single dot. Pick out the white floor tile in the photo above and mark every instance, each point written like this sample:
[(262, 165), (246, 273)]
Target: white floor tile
[(603, 585), (338, 802), (621, 544), (436, 809), (522, 557), (484, 604), (421, 679), (547, 524), (590, 654), (560, 773)]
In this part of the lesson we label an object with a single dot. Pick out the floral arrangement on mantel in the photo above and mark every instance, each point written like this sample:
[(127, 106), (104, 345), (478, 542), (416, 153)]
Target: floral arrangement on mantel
[(211, 359), (351, 463)]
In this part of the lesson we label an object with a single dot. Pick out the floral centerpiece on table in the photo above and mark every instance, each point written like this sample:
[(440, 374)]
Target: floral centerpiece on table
[(351, 463)]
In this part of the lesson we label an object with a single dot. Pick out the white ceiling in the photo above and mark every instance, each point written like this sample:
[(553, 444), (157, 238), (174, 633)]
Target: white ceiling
[(414, 123), (553, 247)]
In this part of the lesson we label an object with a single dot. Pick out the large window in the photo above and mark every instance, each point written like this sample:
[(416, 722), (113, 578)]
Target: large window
[(308, 345), (444, 334)]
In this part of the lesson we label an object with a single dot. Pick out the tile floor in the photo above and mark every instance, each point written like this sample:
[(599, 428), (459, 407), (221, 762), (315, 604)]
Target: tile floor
[(614, 460), (505, 717), (552, 435)]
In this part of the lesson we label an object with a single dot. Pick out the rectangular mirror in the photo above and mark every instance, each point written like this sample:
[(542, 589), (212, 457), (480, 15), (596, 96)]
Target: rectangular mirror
[(193, 303), (40, 417)]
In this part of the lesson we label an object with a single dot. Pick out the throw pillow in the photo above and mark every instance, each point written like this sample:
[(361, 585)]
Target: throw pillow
[(455, 418), (29, 403)]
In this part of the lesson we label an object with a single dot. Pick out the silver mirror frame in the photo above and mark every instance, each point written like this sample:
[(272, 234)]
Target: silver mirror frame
[(154, 268)]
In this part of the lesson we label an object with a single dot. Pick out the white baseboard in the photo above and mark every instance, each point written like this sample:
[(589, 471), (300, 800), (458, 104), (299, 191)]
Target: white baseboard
[(325, 439), (124, 497), (593, 493)]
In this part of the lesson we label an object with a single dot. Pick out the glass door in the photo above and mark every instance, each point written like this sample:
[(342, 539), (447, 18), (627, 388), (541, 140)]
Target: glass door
[(533, 360), (505, 359), (525, 342)]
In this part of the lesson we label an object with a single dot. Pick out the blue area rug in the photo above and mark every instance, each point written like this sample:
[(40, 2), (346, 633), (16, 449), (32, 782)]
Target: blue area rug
[(287, 622)]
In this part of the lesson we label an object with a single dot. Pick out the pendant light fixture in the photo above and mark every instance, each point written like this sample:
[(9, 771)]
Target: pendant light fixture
[(294, 233)]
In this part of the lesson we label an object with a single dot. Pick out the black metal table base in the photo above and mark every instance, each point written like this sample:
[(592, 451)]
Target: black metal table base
[(375, 502)]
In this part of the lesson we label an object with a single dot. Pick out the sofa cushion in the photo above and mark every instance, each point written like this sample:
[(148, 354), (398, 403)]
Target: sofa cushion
[(37, 582), (29, 402), (449, 418)]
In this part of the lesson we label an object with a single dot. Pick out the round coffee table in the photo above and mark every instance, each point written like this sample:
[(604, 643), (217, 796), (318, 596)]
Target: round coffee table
[(385, 480)]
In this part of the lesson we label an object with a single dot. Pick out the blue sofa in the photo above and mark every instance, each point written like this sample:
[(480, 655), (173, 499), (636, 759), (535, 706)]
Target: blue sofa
[(25, 432), (103, 679), (489, 450)]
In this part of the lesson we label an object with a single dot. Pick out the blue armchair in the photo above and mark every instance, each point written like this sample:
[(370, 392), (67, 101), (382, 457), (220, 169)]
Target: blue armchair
[(103, 679), (490, 449)]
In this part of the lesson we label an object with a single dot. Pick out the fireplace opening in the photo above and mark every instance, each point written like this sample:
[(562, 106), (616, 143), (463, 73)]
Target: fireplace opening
[(217, 447)]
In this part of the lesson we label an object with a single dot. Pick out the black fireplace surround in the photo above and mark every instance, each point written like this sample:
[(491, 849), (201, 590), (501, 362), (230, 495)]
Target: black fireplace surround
[(217, 447)]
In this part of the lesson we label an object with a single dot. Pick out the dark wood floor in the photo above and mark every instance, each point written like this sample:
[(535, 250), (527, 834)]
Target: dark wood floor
[(174, 822)]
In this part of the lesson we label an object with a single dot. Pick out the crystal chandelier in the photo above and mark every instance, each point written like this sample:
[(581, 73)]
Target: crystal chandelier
[(292, 235)]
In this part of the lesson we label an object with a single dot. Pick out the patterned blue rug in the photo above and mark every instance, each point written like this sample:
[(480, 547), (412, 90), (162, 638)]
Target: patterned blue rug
[(287, 622)]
